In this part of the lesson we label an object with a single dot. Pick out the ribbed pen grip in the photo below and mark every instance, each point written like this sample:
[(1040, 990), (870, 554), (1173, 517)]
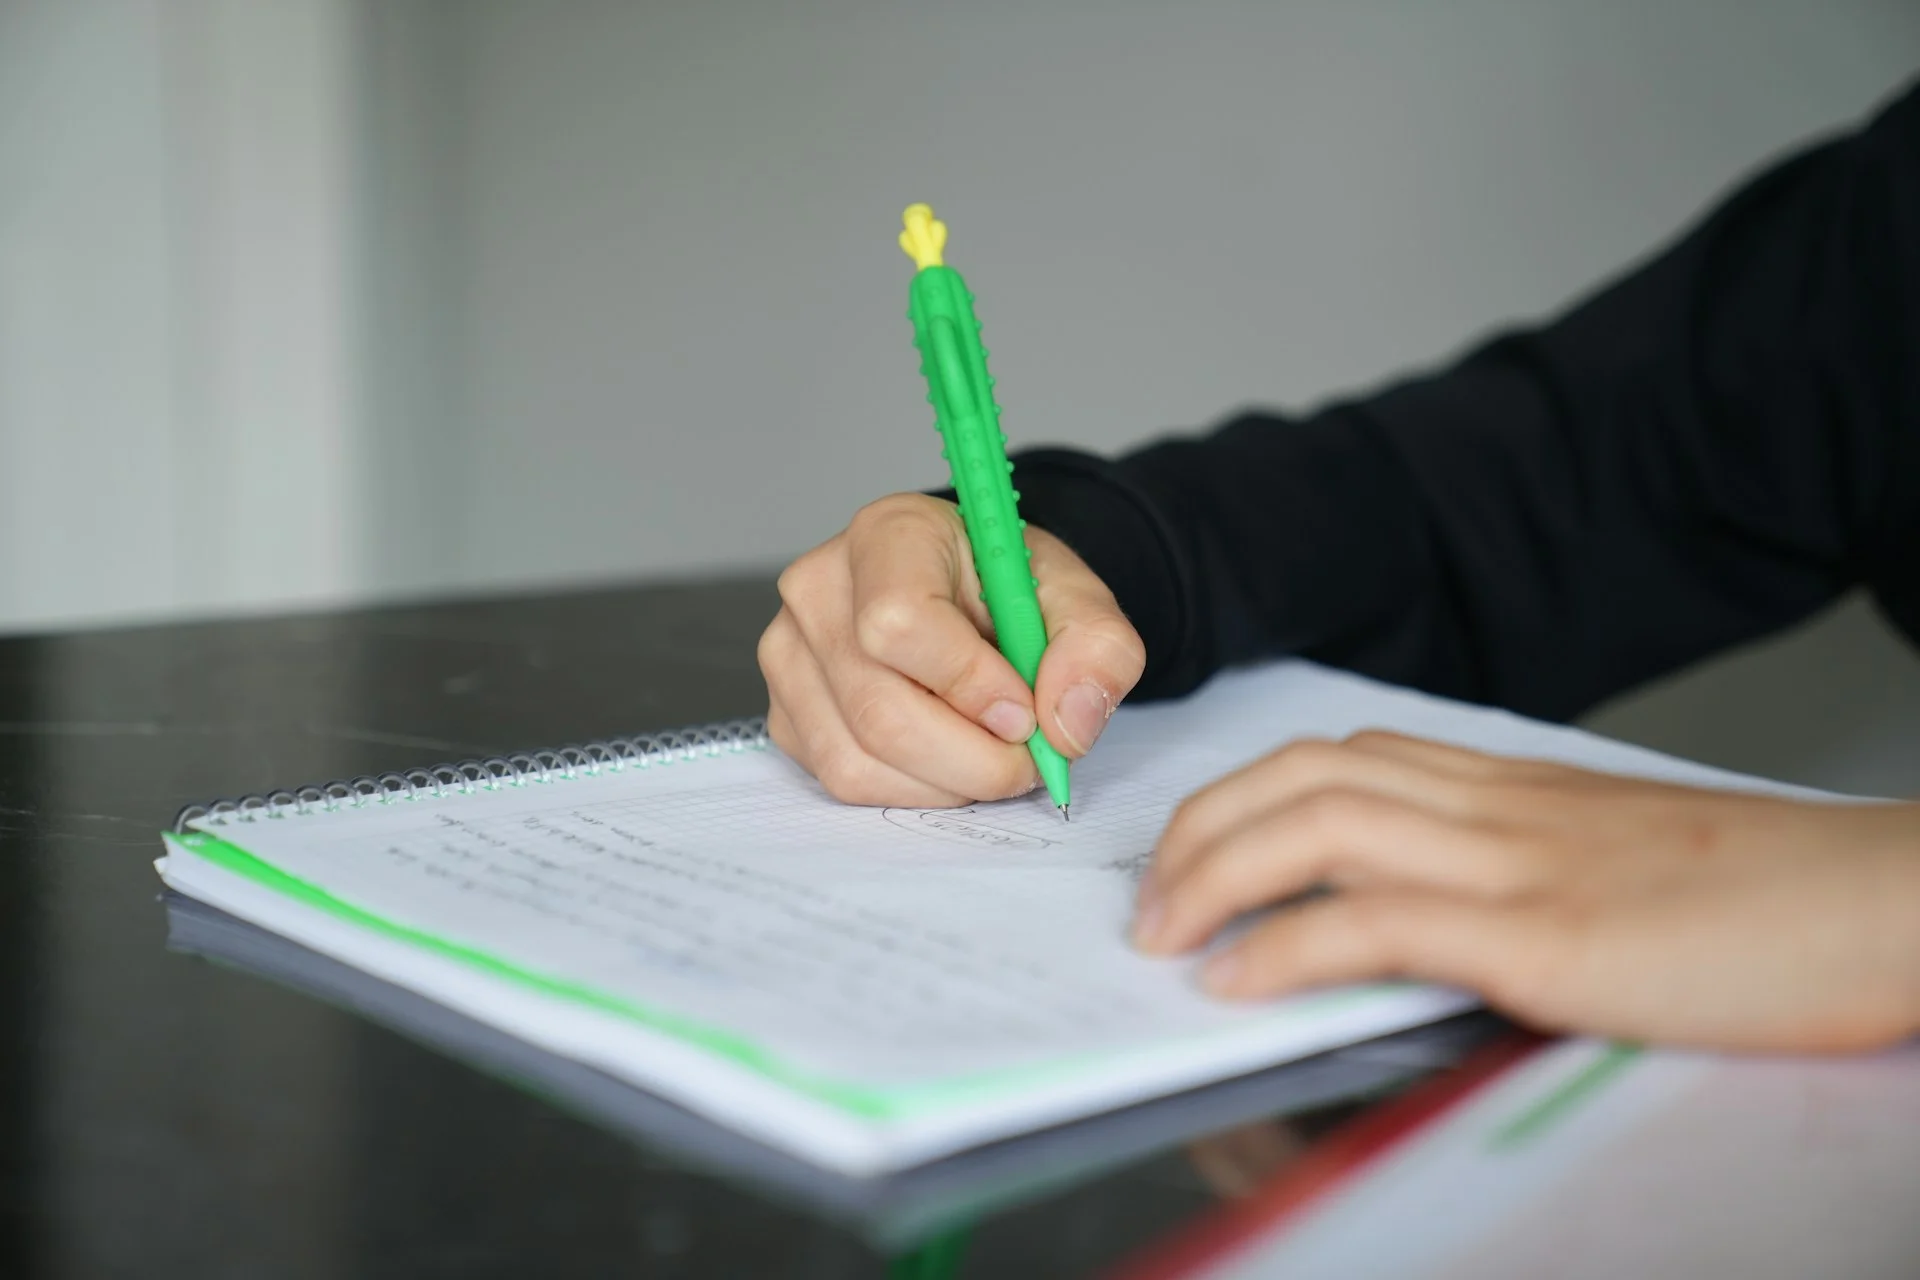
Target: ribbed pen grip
[(961, 392)]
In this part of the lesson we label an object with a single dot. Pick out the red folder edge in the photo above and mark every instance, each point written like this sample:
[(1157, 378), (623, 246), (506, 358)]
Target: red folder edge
[(1334, 1161)]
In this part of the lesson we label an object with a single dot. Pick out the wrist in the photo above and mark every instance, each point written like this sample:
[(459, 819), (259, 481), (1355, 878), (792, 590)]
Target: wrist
[(1086, 503)]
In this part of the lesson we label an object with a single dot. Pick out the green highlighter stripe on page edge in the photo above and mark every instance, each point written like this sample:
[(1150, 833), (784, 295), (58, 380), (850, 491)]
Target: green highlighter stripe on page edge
[(955, 367)]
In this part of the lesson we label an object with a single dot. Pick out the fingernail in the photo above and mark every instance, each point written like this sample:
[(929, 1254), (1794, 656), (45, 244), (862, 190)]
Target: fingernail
[(1146, 925), (1082, 714), (1222, 974), (1009, 720)]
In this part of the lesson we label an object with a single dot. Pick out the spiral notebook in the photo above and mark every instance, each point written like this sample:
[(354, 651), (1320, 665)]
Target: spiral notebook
[(865, 988)]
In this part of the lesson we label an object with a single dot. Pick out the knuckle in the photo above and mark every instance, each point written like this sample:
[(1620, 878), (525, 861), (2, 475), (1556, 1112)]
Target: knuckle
[(887, 624), (1231, 869), (1335, 810), (1184, 811), (1186, 815), (1212, 879), (875, 512), (1307, 758), (799, 583), (1364, 738), (877, 515), (847, 775), (770, 652), (878, 722)]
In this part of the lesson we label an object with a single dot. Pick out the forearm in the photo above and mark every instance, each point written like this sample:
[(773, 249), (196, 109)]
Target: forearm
[(1694, 457), (1197, 537)]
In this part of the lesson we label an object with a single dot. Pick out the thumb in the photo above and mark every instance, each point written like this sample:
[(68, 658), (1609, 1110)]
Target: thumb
[(1094, 656)]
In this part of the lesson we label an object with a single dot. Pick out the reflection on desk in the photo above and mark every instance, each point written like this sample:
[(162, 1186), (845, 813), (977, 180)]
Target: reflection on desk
[(895, 1212), (1588, 1160)]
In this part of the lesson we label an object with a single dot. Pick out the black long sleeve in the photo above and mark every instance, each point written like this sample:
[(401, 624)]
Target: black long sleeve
[(1709, 449)]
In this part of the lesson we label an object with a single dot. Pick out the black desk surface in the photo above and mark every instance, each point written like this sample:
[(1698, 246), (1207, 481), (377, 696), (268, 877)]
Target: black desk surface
[(164, 1116)]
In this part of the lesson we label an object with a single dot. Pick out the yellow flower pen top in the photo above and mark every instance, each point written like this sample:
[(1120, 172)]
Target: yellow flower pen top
[(955, 367)]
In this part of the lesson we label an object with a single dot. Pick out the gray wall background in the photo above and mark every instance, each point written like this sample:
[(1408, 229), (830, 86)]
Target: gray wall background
[(335, 300)]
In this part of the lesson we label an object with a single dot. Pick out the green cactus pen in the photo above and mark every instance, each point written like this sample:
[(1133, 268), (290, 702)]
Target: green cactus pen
[(955, 366)]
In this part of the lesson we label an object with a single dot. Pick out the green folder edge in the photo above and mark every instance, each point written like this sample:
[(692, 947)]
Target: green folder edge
[(864, 1101)]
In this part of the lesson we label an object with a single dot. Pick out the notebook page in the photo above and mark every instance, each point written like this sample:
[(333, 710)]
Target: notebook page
[(877, 948), (869, 945)]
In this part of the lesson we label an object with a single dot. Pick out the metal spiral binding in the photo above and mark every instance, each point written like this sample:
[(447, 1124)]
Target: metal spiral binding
[(465, 777)]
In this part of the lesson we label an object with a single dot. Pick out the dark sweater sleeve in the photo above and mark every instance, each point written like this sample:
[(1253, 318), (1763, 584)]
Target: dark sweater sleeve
[(1695, 456)]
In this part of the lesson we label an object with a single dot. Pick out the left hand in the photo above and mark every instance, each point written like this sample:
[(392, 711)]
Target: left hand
[(1569, 900)]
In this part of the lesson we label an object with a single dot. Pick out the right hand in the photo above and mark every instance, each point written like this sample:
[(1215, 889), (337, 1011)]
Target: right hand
[(883, 681)]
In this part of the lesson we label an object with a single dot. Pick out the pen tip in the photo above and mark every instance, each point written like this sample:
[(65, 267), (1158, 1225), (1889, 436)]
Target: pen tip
[(1064, 817)]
